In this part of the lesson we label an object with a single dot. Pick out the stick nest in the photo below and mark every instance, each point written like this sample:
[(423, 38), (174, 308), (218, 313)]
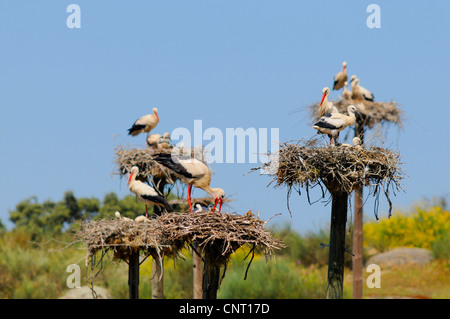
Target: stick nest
[(122, 236), (339, 168), (148, 168), (165, 235), (224, 233), (372, 112)]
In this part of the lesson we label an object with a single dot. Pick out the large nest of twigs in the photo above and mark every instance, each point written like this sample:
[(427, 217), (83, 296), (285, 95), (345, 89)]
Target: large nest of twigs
[(165, 235), (148, 168), (122, 236), (372, 113), (306, 164), (224, 233)]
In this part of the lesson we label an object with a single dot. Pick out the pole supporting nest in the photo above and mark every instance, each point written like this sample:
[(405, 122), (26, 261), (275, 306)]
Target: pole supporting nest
[(335, 284), (133, 274), (215, 235), (341, 170)]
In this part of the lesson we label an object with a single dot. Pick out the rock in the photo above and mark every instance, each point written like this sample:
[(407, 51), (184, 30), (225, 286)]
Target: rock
[(86, 293), (401, 256)]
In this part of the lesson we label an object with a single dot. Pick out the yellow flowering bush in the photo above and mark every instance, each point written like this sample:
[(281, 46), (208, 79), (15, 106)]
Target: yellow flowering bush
[(421, 228)]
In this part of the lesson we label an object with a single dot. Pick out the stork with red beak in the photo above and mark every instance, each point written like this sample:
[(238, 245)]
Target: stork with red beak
[(325, 106), (145, 123), (192, 172), (145, 193), (336, 122)]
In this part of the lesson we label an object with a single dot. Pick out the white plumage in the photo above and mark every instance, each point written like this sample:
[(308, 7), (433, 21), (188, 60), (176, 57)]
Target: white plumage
[(145, 193), (325, 106), (152, 141), (192, 172), (336, 122), (359, 92), (340, 78), (145, 123), (346, 94)]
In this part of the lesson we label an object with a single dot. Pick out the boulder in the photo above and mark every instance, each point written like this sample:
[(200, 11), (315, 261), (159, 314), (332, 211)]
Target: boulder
[(401, 256)]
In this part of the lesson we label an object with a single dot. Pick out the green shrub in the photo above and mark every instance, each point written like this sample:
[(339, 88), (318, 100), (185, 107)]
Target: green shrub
[(277, 279)]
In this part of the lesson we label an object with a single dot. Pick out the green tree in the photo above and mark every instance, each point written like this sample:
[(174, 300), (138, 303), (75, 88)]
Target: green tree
[(50, 218), (29, 216), (128, 206)]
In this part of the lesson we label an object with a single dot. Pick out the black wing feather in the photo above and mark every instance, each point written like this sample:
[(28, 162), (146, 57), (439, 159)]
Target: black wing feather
[(334, 84), (157, 200), (136, 128), (369, 98), (168, 161), (323, 124)]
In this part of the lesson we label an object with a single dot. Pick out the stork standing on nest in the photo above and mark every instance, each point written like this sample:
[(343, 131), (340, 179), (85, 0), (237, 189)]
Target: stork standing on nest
[(325, 106), (340, 78), (336, 122), (164, 141), (145, 123), (359, 92), (192, 172), (152, 141), (346, 94), (145, 193)]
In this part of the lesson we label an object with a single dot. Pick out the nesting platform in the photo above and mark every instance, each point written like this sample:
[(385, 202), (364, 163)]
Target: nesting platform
[(307, 163), (148, 168), (225, 232), (122, 237), (372, 112), (217, 236), (170, 232)]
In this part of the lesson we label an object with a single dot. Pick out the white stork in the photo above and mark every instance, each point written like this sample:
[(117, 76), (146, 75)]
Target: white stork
[(356, 141), (336, 122), (340, 78), (152, 141), (192, 172), (117, 214), (145, 193), (325, 106), (164, 141), (359, 92), (145, 123), (199, 208), (346, 94)]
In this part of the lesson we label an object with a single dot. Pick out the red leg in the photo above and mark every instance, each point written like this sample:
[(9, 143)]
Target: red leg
[(189, 197)]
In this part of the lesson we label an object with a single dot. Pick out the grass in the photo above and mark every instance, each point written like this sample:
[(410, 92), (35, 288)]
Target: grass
[(430, 281), (31, 271)]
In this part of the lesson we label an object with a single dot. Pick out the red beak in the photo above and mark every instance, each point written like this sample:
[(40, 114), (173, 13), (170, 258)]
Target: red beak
[(129, 178), (214, 209), (323, 98)]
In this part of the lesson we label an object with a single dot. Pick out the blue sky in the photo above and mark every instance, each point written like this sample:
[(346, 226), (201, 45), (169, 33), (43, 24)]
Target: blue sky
[(68, 96)]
